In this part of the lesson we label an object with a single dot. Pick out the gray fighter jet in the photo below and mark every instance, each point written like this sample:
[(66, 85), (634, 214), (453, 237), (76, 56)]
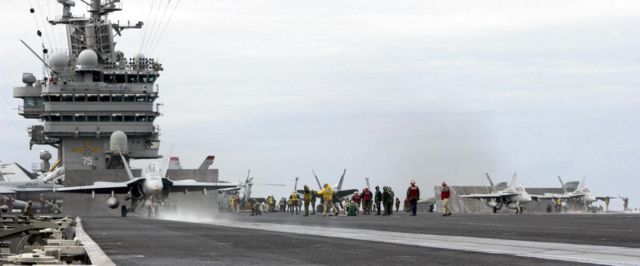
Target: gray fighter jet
[(151, 189), (581, 193), (17, 186), (338, 193), (244, 189), (513, 197)]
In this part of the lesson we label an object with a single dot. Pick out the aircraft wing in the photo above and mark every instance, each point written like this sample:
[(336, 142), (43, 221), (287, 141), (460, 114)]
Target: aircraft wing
[(344, 193), (488, 196), (30, 189), (260, 200), (7, 190), (102, 187), (192, 185), (229, 189), (551, 196), (606, 197)]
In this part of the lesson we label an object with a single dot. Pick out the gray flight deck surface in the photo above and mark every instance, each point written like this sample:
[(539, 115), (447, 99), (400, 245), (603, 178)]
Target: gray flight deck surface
[(621, 230), (141, 241)]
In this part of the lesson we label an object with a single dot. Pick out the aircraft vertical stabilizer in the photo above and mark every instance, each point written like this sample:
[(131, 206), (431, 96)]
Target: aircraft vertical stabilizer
[(207, 162), (582, 183), (126, 166), (489, 178), (514, 181), (317, 179), (564, 188), (342, 179)]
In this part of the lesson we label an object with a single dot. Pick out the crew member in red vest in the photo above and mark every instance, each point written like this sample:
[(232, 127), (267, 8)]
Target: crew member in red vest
[(413, 195), (444, 196), (356, 200)]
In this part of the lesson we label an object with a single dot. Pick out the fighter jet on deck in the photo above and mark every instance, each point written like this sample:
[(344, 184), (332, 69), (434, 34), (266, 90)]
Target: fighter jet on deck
[(513, 197), (16, 179), (581, 193), (244, 189), (339, 193), (152, 188), (174, 163)]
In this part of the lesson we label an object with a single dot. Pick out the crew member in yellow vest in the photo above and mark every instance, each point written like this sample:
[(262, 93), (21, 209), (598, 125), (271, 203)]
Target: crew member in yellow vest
[(294, 202), (327, 196)]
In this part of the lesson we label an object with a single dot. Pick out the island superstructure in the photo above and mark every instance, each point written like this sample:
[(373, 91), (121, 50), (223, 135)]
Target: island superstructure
[(93, 95), (97, 107)]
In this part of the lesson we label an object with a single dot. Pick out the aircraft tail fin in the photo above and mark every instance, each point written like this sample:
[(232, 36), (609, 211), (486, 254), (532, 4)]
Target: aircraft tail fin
[(126, 166), (342, 179), (514, 181), (564, 188), (207, 162), (26, 172), (582, 183), (317, 179), (489, 178)]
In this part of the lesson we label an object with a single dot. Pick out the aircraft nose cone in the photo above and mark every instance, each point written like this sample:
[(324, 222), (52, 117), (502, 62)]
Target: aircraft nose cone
[(154, 186)]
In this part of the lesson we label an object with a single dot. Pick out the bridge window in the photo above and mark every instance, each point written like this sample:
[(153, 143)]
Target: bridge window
[(151, 118), (116, 98), (121, 78), (67, 98), (33, 102), (129, 118), (151, 78), (81, 98), (109, 78), (67, 118), (54, 98), (96, 76), (105, 118), (132, 78), (105, 97), (116, 118), (141, 98), (129, 98), (55, 118), (92, 118), (80, 118)]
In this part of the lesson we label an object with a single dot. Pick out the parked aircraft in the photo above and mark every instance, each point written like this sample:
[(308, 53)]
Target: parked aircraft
[(513, 197), (17, 186), (338, 192), (243, 189), (152, 188), (581, 193), (174, 163)]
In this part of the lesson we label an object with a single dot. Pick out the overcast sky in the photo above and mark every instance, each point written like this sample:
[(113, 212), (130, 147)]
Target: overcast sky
[(391, 90)]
